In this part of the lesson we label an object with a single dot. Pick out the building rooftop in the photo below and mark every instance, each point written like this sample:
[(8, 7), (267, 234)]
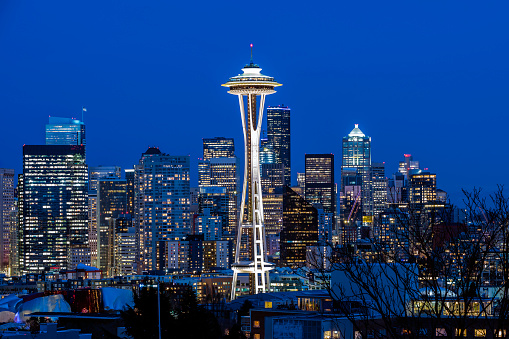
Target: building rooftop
[(356, 132)]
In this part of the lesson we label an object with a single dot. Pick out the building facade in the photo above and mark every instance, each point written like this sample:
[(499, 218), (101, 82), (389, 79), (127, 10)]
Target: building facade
[(65, 131), (55, 208), (278, 135), (7, 222), (319, 181), (218, 147), (111, 204), (162, 203), (300, 229)]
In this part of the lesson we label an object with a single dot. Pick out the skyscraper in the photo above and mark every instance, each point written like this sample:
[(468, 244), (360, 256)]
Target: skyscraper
[(379, 187), (213, 202), (65, 131), (222, 172), (254, 261), (55, 212), (129, 177), (162, 205), (357, 155), (7, 223), (300, 228), (422, 187), (111, 204), (124, 246), (99, 172), (319, 181), (218, 147), (95, 174), (278, 135)]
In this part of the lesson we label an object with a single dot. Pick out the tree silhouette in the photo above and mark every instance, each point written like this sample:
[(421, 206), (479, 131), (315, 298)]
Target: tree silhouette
[(181, 316)]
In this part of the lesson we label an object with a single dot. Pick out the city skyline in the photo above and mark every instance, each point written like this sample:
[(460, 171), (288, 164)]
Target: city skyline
[(436, 80)]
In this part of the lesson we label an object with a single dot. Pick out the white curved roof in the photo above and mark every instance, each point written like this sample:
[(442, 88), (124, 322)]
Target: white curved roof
[(356, 132)]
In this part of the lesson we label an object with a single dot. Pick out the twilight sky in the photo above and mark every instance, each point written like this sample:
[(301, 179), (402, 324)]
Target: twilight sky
[(428, 78)]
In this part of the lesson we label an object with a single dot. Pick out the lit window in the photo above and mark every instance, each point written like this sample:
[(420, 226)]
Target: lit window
[(480, 333), (461, 332), (256, 323)]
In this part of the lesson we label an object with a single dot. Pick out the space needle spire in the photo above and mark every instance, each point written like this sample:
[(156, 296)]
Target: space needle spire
[(250, 248)]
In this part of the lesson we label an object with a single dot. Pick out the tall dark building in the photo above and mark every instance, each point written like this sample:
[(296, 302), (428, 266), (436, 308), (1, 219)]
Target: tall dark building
[(218, 147), (55, 208), (300, 228), (129, 178), (319, 182), (278, 135)]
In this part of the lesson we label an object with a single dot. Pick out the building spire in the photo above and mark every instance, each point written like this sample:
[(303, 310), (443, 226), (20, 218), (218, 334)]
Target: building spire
[(251, 53)]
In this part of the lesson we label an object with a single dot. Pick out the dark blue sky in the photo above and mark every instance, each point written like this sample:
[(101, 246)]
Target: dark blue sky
[(426, 78)]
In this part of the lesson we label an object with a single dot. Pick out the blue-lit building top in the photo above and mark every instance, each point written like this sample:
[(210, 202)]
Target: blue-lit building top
[(65, 131)]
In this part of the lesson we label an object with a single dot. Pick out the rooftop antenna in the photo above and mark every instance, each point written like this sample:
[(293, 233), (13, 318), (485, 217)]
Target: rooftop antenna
[(251, 53)]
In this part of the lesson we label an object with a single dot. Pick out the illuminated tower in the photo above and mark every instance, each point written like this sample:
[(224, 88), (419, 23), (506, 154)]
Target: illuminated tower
[(253, 260)]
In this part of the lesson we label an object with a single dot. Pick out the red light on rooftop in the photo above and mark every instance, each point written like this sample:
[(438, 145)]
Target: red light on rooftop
[(407, 155)]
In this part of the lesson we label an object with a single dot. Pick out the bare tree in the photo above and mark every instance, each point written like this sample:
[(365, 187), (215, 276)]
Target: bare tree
[(422, 274)]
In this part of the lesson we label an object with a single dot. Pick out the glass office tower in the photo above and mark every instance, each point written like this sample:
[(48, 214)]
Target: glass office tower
[(357, 155), (65, 131), (111, 204), (278, 135), (319, 181), (218, 147), (55, 208), (300, 229)]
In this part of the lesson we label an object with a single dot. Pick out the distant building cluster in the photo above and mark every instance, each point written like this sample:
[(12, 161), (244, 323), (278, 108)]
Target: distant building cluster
[(61, 212)]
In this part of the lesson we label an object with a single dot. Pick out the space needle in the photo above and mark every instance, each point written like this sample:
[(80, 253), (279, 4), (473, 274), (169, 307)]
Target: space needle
[(251, 254)]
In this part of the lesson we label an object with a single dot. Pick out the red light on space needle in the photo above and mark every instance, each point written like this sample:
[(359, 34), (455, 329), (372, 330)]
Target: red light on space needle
[(251, 45)]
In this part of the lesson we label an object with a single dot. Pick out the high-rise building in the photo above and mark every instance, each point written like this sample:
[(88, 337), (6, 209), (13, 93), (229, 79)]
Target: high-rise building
[(162, 203), (325, 224), (357, 155), (251, 221), (222, 172), (218, 147), (129, 178), (301, 181), (379, 187), (300, 229), (111, 204), (319, 182), (350, 206), (273, 179), (65, 131), (99, 172), (213, 208), (92, 226), (422, 186), (17, 250), (267, 154), (7, 223), (95, 174), (278, 135), (54, 208), (408, 164), (124, 246)]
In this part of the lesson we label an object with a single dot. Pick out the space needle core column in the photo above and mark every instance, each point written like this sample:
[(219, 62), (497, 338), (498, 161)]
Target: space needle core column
[(253, 260)]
